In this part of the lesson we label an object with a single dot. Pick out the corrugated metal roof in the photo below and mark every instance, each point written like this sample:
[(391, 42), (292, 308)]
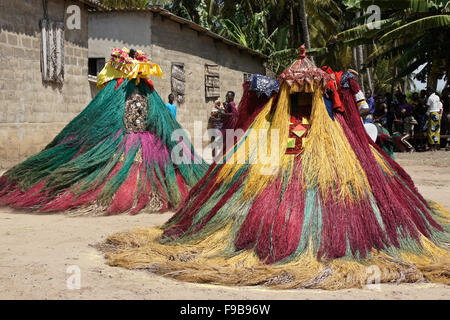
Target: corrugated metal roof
[(192, 25)]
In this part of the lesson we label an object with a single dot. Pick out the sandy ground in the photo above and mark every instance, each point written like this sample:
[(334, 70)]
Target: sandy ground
[(37, 251)]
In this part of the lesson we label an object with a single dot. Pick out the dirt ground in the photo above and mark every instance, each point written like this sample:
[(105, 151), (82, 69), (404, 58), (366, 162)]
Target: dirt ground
[(38, 251)]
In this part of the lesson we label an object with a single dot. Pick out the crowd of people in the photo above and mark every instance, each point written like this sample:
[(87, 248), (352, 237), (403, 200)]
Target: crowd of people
[(420, 122)]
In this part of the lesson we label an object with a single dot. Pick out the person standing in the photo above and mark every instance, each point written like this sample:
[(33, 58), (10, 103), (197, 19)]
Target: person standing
[(216, 122), (171, 106), (230, 112), (434, 119), (380, 111), (445, 130), (371, 103)]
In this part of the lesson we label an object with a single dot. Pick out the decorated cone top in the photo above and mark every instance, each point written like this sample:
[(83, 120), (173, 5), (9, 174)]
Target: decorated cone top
[(304, 72)]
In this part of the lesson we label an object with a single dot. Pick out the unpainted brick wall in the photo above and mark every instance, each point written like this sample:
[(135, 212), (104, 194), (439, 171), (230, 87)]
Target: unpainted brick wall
[(32, 112)]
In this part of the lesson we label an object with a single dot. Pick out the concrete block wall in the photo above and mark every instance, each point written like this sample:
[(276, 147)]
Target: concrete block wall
[(174, 43), (32, 112)]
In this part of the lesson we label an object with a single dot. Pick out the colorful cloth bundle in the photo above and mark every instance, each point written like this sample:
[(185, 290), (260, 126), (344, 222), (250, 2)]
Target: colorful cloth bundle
[(332, 211), (115, 156)]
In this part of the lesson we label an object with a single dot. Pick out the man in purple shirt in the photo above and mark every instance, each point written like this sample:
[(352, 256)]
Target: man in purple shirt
[(404, 106), (230, 115), (371, 103)]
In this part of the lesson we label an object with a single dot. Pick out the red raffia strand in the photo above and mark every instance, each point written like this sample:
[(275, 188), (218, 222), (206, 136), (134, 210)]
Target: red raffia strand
[(249, 107), (288, 220), (144, 193), (342, 219), (230, 192), (182, 186), (32, 197), (262, 210), (124, 196), (70, 199), (398, 206), (200, 193)]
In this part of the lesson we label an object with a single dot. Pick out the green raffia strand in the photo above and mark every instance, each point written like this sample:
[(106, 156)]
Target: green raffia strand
[(81, 167), (241, 213), (162, 124), (377, 212), (172, 186), (221, 215), (312, 224), (115, 182), (107, 110), (97, 137)]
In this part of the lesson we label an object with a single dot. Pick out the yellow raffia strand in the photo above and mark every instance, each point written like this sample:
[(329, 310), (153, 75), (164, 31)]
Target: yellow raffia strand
[(381, 161), (204, 262), (327, 157), (238, 157), (261, 173), (143, 70), (328, 160), (434, 263), (266, 164)]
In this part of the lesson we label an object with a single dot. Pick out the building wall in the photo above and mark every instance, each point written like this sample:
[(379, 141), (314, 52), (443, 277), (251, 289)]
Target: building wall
[(174, 43), (31, 112), (167, 42), (118, 30)]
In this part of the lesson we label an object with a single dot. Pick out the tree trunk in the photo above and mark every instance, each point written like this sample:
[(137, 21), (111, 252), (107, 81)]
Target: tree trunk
[(393, 81), (369, 79), (354, 58), (447, 74), (432, 78), (360, 59), (304, 23), (368, 70)]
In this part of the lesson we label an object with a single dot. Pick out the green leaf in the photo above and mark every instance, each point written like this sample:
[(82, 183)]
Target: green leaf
[(418, 26)]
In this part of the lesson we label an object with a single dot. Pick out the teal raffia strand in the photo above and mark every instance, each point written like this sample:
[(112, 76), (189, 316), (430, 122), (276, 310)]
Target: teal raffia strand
[(95, 152)]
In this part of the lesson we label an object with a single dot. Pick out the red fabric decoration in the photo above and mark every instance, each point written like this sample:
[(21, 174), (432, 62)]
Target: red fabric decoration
[(333, 86), (119, 82), (150, 84), (296, 121)]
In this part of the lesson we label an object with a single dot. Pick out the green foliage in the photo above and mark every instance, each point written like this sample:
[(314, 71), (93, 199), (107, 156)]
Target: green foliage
[(133, 3), (273, 27), (412, 33)]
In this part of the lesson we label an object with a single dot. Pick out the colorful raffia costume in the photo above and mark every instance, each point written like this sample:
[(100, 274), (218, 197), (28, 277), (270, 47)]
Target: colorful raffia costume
[(115, 156), (334, 211)]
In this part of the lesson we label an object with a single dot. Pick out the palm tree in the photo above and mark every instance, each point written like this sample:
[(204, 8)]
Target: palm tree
[(414, 32)]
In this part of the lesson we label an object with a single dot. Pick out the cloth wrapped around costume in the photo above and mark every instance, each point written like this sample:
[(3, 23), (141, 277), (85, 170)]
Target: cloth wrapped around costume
[(348, 81), (256, 93), (115, 156)]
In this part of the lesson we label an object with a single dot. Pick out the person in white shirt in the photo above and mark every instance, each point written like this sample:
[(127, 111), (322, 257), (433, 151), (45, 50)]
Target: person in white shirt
[(434, 119)]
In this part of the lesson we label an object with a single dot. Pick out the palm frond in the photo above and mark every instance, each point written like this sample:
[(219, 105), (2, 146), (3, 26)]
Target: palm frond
[(417, 27)]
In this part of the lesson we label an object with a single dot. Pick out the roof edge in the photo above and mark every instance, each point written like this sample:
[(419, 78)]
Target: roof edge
[(192, 25), (94, 4)]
